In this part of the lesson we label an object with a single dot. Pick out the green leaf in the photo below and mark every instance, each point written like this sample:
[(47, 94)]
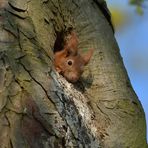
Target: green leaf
[(139, 10)]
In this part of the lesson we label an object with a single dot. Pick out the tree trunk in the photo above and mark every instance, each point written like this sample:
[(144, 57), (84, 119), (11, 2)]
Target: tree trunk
[(38, 107)]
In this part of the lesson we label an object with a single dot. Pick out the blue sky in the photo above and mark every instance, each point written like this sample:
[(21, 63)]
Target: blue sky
[(133, 43)]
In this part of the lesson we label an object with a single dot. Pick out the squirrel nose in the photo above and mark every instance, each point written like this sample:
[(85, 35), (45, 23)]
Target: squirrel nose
[(73, 78)]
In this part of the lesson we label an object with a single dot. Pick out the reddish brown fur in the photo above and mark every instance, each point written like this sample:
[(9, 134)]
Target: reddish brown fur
[(69, 62), (71, 43)]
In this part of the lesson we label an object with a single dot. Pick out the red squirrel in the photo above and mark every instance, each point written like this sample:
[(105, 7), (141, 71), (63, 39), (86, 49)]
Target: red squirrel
[(69, 62)]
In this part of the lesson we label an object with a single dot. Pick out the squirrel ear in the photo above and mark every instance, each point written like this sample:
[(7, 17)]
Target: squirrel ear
[(62, 53), (86, 57), (71, 44)]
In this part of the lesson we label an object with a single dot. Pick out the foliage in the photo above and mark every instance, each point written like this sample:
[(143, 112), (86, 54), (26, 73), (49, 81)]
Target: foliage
[(138, 4), (119, 17)]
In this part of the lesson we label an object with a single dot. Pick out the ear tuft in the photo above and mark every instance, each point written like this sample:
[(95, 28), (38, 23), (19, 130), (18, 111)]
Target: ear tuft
[(87, 56)]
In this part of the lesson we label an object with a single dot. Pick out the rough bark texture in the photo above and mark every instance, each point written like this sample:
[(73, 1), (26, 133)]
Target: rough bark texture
[(39, 108)]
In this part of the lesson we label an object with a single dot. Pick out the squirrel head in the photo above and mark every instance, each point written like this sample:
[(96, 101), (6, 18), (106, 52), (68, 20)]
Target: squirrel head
[(71, 66)]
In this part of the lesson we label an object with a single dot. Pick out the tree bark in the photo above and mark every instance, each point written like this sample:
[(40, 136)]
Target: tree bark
[(38, 107)]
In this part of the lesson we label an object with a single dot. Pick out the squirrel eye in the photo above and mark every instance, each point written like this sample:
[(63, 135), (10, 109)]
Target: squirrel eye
[(69, 62)]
